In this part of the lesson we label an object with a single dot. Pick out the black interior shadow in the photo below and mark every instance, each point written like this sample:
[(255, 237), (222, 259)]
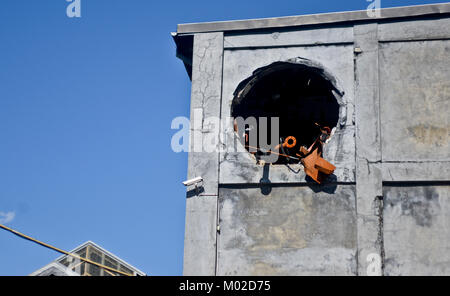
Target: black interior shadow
[(300, 96)]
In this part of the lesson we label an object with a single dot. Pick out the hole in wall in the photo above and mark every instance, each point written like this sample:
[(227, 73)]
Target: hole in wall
[(299, 92)]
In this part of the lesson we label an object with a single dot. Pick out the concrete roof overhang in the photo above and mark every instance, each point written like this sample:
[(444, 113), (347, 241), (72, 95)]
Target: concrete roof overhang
[(183, 37)]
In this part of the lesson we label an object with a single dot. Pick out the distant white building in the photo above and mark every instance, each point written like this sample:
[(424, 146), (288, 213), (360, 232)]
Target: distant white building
[(68, 266)]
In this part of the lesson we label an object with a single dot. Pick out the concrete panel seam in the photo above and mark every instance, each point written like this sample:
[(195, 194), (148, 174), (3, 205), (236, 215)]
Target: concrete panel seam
[(218, 161)]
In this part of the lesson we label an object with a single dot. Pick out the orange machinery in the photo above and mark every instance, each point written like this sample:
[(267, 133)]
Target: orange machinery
[(315, 166)]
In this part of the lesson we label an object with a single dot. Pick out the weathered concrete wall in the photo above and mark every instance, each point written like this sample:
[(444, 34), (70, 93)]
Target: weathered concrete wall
[(389, 196), (201, 211), (415, 90), (417, 230), (289, 231)]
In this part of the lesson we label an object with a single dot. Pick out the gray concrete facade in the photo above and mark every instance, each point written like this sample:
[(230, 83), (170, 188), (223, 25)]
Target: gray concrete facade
[(389, 196)]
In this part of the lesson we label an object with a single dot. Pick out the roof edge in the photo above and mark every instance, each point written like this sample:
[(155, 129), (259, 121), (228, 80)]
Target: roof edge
[(313, 19), (89, 242)]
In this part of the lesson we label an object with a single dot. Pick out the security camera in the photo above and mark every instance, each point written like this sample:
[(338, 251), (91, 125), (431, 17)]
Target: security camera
[(193, 181)]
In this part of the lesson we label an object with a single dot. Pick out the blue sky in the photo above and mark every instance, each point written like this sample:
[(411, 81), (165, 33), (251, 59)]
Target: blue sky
[(85, 111)]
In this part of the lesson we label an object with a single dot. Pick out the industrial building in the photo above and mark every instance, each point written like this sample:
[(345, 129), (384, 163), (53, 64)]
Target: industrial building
[(71, 266), (381, 84)]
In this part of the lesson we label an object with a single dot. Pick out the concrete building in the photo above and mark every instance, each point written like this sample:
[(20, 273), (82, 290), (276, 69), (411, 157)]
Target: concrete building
[(383, 84), (68, 266)]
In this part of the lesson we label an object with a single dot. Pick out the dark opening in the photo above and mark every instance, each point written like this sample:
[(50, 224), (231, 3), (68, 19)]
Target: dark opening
[(300, 95)]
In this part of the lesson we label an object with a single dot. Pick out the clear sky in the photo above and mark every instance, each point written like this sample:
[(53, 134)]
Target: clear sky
[(85, 111)]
